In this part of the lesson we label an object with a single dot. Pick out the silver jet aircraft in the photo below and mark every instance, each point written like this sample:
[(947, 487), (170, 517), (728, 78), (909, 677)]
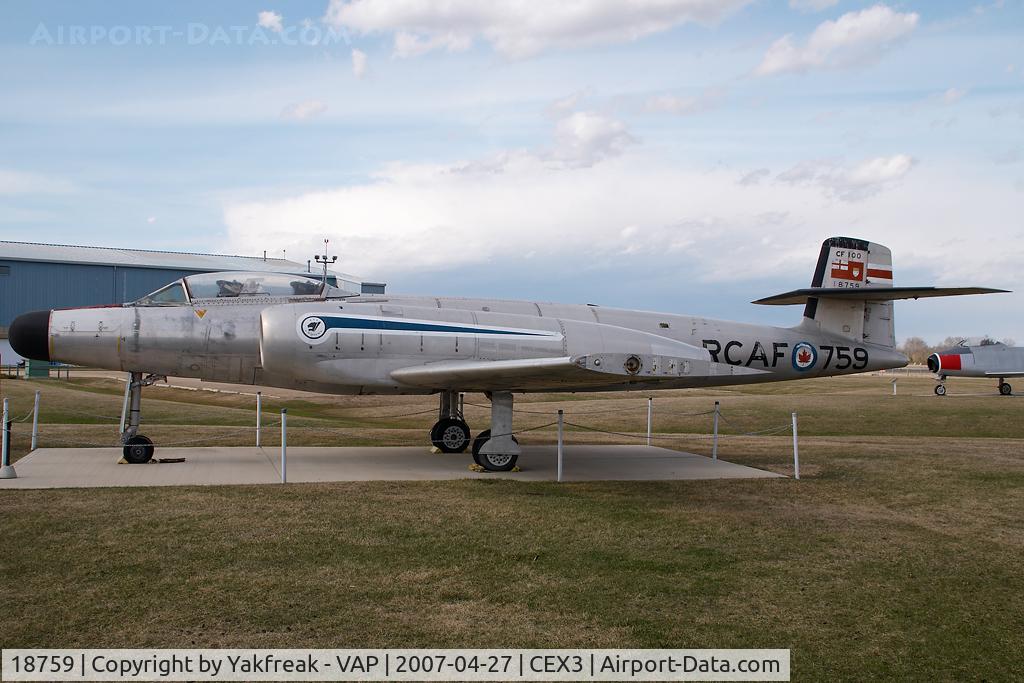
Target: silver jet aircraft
[(996, 361), (296, 333)]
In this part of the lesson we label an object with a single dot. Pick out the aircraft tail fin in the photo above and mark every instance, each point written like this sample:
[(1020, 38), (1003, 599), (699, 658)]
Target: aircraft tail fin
[(852, 291), (848, 263)]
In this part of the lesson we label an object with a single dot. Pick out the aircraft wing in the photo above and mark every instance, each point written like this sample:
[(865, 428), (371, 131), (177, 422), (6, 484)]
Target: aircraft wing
[(1016, 373), (561, 373), (800, 296)]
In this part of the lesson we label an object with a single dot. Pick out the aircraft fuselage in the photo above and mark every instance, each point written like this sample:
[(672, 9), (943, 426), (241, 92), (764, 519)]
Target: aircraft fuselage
[(264, 343)]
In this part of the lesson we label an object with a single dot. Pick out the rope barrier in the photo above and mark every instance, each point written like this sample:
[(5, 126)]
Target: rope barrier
[(317, 429), (26, 417), (390, 417), (86, 414), (592, 412), (765, 432)]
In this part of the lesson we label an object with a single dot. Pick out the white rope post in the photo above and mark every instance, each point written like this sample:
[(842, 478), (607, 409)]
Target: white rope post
[(561, 414), (259, 417), (714, 440), (284, 445), (124, 406), (3, 442), (894, 385), (650, 415), (35, 423), (796, 452), (6, 471)]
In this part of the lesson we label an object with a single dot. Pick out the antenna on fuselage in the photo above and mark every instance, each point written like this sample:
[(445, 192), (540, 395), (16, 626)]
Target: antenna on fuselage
[(325, 260)]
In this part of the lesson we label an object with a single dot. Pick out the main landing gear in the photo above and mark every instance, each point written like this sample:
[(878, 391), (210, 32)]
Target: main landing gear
[(498, 453), (450, 434), (138, 449), (1004, 388)]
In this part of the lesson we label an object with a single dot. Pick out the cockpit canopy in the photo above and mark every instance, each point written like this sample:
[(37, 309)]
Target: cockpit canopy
[(237, 285)]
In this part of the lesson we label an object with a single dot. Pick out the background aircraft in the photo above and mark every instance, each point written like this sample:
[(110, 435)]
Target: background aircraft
[(277, 330), (987, 360)]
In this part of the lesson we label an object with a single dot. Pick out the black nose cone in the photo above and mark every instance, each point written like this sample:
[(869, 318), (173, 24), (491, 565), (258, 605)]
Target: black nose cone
[(29, 335)]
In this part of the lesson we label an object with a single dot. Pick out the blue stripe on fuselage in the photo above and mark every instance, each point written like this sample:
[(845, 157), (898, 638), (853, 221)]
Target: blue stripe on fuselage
[(333, 322)]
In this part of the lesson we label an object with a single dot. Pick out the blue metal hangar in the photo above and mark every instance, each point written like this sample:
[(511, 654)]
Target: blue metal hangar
[(43, 276)]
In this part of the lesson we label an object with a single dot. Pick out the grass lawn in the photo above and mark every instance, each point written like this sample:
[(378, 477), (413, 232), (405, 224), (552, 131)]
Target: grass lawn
[(898, 555)]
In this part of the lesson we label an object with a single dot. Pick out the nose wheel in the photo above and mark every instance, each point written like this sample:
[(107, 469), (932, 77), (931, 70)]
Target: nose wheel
[(940, 389), (138, 449)]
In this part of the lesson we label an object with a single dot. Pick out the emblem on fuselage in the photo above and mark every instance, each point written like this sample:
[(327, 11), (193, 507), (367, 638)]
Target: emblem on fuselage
[(314, 327), (804, 356)]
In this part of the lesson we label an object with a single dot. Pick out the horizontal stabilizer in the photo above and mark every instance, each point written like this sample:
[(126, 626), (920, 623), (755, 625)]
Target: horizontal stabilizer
[(561, 374), (800, 296)]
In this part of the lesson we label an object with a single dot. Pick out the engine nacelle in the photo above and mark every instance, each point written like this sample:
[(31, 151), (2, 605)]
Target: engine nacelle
[(950, 363)]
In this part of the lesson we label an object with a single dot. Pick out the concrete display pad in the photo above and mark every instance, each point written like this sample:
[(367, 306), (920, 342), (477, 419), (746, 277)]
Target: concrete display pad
[(91, 467)]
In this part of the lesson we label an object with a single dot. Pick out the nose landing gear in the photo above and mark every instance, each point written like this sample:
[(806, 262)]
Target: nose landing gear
[(137, 449)]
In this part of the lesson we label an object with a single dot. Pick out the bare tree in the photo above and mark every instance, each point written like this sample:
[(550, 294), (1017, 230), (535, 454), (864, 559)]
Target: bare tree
[(916, 349)]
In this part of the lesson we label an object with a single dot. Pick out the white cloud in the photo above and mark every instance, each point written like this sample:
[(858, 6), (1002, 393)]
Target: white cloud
[(812, 5), (358, 63), (755, 176), (413, 45), (850, 183), (852, 39), (23, 182), (953, 95), (445, 217), (562, 106), (151, 220), (301, 111), (408, 212), (685, 105), (1016, 108), (270, 20), (583, 138), (519, 29)]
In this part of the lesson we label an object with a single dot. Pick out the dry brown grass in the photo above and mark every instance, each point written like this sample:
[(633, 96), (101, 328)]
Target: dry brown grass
[(897, 555)]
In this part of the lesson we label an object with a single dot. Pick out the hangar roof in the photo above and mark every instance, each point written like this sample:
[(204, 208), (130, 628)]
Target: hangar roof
[(147, 258)]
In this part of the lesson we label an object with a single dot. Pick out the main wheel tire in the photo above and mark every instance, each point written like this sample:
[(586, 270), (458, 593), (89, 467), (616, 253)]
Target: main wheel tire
[(479, 442), (940, 390), (450, 435), (493, 463), (1005, 389), (138, 450), (496, 462)]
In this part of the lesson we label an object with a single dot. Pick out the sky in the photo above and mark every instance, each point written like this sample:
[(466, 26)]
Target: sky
[(687, 156)]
